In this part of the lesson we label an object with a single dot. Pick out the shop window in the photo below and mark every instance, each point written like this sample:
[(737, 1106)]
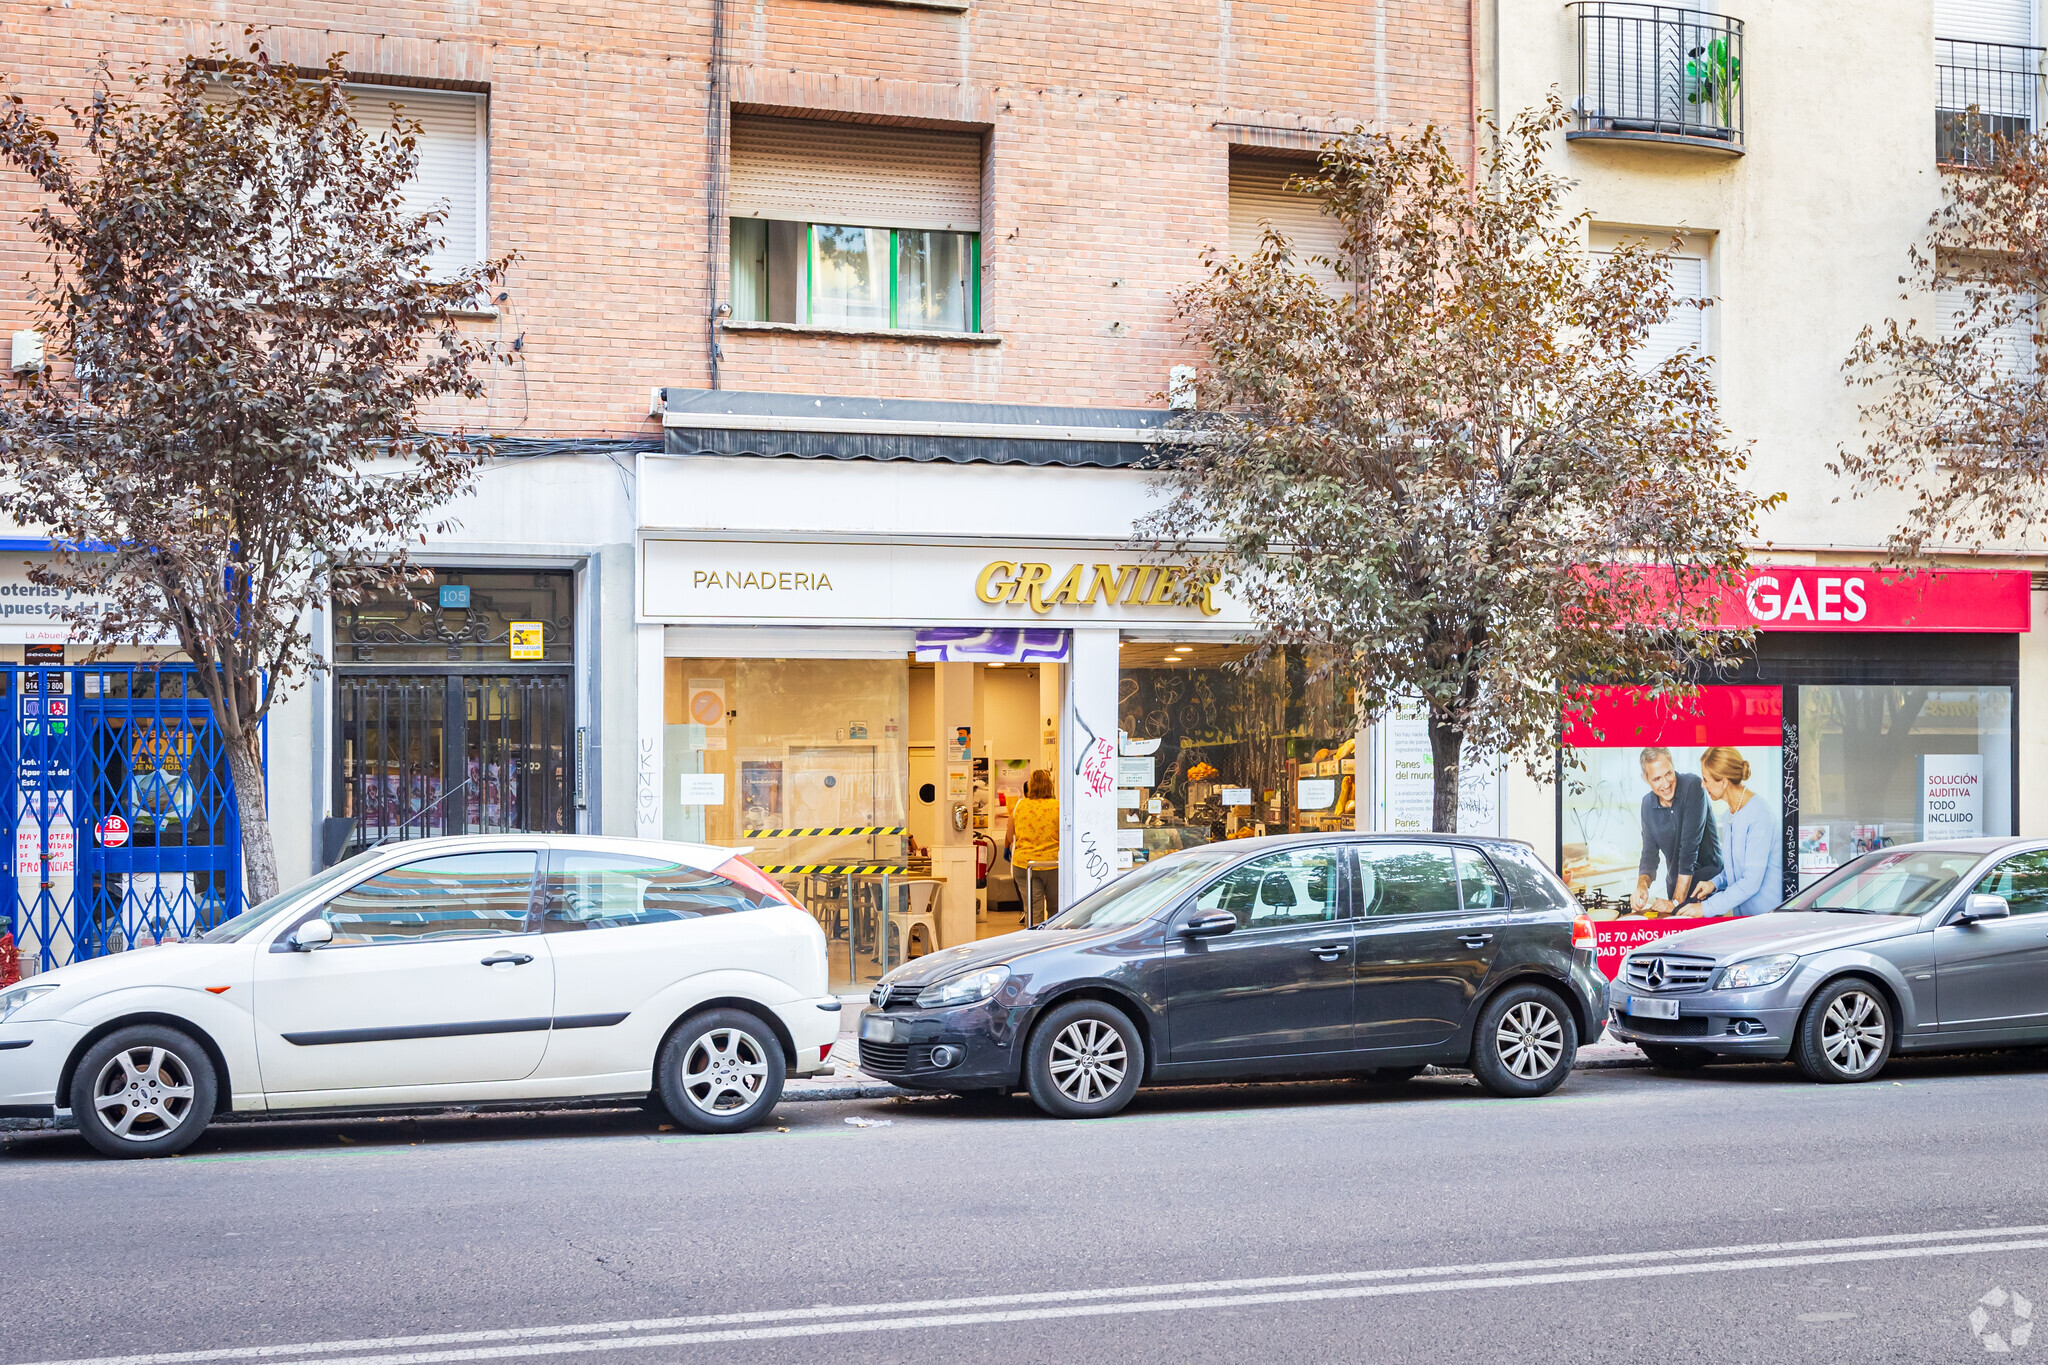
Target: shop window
[(1217, 748), (1882, 766)]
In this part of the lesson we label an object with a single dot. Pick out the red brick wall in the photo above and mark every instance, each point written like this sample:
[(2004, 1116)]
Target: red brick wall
[(1106, 171)]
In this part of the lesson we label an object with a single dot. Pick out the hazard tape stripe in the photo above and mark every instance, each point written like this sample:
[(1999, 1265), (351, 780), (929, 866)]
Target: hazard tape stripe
[(856, 869), (821, 830)]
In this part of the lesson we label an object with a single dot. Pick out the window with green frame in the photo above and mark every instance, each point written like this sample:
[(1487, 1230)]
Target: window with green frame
[(837, 275)]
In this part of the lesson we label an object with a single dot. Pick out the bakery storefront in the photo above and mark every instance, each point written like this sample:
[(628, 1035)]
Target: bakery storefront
[(867, 711), (1877, 708)]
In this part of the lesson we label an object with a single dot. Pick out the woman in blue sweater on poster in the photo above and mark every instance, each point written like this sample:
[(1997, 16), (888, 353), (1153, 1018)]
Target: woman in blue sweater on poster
[(1752, 879)]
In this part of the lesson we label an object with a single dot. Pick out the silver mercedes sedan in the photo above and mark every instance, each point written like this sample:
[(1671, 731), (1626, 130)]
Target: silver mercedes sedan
[(1924, 948)]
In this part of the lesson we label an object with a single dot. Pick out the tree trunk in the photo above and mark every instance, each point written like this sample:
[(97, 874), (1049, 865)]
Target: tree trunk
[(259, 854), (1447, 753)]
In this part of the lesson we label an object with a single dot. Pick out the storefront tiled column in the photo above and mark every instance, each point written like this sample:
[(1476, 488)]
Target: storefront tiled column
[(647, 794), (1088, 766), (953, 844), (2030, 717)]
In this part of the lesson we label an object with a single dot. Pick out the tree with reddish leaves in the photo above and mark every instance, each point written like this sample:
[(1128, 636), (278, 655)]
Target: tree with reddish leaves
[(245, 332), (1955, 424), (1451, 477)]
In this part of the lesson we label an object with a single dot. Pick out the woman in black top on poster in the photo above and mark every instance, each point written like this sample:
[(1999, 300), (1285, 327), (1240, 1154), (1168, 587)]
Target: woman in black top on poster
[(1678, 827)]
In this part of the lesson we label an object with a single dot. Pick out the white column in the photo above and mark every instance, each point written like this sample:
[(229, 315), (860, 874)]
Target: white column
[(648, 795), (1088, 766), (953, 848)]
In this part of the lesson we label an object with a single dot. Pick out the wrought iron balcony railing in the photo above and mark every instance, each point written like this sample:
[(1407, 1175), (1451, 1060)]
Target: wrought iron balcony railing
[(1983, 93), (1658, 73)]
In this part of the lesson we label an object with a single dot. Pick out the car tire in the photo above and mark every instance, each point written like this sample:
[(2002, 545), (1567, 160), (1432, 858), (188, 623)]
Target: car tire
[(720, 1072), (147, 1090), (1665, 1057), (1084, 1061), (1391, 1075), (1846, 1034), (1524, 1043)]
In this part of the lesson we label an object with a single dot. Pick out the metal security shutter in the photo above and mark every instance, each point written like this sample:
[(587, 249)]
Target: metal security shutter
[(452, 149), (1259, 195), (858, 175), (1985, 21)]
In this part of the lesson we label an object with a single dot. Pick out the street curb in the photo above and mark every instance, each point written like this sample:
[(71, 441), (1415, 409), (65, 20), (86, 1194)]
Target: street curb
[(850, 1090)]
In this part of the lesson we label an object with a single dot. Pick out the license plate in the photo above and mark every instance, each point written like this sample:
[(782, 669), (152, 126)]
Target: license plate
[(1652, 1009), (876, 1029)]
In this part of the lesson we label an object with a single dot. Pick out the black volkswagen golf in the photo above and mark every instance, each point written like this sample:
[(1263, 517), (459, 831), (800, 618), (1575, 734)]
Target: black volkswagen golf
[(1371, 955)]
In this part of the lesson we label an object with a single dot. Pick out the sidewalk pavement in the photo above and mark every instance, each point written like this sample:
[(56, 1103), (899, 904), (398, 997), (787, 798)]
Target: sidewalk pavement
[(846, 1081)]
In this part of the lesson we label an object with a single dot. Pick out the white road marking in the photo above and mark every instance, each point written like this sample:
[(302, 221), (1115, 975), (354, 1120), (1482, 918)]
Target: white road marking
[(915, 1314)]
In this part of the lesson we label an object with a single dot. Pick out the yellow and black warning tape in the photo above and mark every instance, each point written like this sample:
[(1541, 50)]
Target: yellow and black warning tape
[(821, 830), (855, 869)]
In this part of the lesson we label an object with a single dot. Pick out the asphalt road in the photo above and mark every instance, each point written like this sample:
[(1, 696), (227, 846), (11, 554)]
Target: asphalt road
[(1740, 1214)]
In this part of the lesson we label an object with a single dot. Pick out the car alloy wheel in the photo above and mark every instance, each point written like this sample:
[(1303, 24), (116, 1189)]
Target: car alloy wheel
[(1846, 1033), (724, 1071), (1530, 1040), (720, 1071), (1089, 1061), (1524, 1041), (1852, 1032), (143, 1093)]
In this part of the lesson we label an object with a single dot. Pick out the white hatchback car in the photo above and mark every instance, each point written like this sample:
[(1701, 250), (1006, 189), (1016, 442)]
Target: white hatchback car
[(465, 970)]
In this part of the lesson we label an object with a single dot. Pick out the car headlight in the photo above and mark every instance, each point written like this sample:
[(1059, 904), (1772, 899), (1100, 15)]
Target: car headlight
[(12, 1001), (963, 990), (1758, 971)]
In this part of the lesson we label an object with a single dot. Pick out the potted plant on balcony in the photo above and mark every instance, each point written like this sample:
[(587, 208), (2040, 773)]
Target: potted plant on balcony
[(1712, 76)]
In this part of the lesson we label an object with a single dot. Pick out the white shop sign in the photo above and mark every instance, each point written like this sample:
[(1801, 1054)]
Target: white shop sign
[(1008, 584), (1951, 796), (1406, 797)]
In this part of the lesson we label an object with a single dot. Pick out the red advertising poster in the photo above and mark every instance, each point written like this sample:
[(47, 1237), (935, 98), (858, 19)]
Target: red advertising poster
[(1671, 810), (1833, 598)]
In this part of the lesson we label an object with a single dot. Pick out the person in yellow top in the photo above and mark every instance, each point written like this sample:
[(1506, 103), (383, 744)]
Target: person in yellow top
[(1034, 837)]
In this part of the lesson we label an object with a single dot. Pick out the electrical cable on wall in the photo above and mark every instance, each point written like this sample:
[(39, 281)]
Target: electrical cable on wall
[(718, 126)]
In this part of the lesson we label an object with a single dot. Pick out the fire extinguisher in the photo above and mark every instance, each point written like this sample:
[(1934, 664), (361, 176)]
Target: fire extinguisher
[(984, 854), (10, 960)]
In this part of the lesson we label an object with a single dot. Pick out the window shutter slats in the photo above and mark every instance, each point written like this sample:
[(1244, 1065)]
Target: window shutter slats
[(450, 150), (857, 175), (1984, 21), (1259, 195)]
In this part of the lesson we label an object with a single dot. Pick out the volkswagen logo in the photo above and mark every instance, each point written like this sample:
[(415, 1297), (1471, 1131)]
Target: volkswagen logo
[(1653, 973), (882, 996)]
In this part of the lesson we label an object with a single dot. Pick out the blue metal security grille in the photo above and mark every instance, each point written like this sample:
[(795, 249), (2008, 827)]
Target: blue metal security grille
[(123, 813)]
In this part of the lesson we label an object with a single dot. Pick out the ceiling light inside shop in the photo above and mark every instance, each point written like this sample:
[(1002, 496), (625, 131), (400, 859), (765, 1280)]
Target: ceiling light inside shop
[(1183, 649)]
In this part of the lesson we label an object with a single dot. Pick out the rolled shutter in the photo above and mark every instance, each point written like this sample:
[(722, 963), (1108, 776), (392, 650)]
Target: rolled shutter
[(1683, 326), (451, 151), (2010, 348), (858, 175), (1259, 195), (1984, 21)]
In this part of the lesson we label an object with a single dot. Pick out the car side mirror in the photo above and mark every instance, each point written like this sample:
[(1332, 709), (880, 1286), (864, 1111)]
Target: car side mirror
[(1209, 924), (1983, 907), (312, 934)]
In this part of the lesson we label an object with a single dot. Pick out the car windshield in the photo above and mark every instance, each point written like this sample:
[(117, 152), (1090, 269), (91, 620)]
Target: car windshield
[(1141, 892), (1891, 881), (256, 916)]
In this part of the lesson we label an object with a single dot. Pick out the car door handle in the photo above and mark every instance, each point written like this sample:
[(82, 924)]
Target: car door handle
[(1475, 940), (1328, 952), (508, 959)]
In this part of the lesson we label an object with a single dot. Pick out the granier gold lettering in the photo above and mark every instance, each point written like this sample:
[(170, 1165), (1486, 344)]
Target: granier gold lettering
[(988, 588)]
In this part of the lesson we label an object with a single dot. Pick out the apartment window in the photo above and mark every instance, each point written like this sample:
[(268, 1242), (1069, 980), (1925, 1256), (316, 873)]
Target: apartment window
[(2009, 346), (1260, 197), (1686, 324), (847, 225), (453, 152)]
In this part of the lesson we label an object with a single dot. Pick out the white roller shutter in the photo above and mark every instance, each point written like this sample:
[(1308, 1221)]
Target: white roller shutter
[(451, 147), (2010, 347), (1259, 196), (858, 175), (1985, 21), (1683, 326)]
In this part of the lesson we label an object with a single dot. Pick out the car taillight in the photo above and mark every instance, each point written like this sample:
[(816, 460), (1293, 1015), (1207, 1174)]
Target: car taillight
[(1583, 935), (824, 1052), (739, 870)]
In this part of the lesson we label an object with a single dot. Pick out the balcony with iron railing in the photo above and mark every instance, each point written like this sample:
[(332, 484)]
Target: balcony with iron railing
[(1658, 73), (1984, 94)]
